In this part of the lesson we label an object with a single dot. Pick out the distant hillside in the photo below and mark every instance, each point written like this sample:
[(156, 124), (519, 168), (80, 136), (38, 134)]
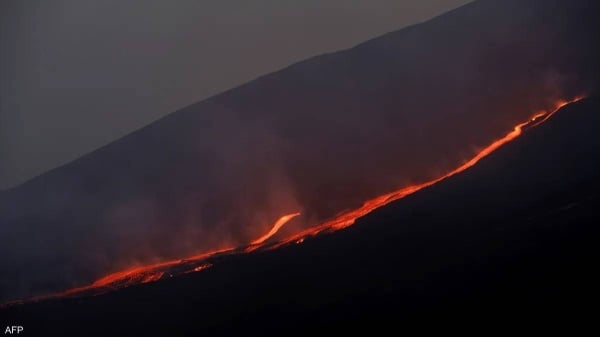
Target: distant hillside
[(318, 137)]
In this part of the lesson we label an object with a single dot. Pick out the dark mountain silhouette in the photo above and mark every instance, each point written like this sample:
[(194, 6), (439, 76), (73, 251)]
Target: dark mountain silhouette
[(318, 137), (513, 237)]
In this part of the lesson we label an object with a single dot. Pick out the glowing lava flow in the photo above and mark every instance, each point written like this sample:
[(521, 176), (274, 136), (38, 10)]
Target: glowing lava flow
[(155, 272), (282, 221), (133, 276), (348, 218)]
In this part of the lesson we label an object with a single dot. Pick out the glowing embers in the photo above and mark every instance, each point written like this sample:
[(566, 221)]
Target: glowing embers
[(203, 266)]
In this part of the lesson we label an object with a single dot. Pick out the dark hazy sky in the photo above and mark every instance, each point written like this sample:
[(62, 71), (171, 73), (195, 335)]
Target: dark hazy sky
[(77, 74)]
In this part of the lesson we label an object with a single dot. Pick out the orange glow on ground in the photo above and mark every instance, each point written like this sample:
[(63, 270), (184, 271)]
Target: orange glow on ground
[(155, 272)]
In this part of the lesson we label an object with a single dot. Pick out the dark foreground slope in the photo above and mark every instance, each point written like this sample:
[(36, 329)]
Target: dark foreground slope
[(342, 127), (514, 236)]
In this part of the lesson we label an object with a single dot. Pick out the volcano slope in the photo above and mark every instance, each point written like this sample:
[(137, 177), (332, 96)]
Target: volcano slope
[(514, 235), (318, 137)]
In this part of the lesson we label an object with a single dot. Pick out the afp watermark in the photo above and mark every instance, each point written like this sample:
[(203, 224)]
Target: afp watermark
[(13, 329)]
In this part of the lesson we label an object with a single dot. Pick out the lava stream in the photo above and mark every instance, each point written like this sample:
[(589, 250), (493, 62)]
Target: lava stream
[(155, 272), (282, 221), (348, 218)]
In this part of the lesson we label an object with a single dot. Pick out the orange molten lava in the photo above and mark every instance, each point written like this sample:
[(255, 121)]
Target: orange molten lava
[(282, 221), (136, 275), (348, 218), (158, 271)]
